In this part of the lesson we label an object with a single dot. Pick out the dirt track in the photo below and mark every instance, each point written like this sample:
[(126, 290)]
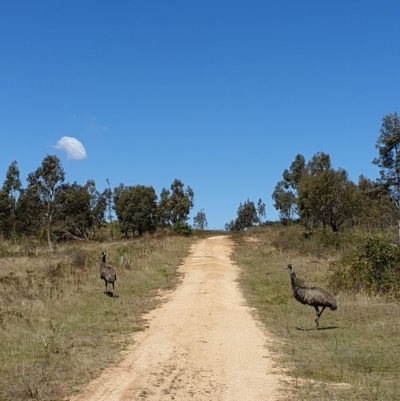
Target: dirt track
[(203, 344)]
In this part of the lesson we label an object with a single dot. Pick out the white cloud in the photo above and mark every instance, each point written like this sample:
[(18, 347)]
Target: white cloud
[(74, 148)]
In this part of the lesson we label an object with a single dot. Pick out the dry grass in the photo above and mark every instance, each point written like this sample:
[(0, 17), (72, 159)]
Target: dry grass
[(356, 353), (57, 328)]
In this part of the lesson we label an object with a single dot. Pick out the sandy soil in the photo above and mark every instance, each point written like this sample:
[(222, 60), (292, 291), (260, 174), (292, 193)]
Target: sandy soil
[(202, 344)]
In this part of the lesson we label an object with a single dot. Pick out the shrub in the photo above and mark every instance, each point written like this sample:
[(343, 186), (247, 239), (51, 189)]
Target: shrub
[(374, 268), (319, 242), (182, 228)]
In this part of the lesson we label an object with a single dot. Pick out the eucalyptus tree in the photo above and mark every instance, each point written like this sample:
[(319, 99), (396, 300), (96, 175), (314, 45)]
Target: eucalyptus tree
[(261, 210), (97, 206), (108, 198), (45, 180), (81, 210), (327, 194), (285, 192), (29, 212), (200, 220), (180, 202), (285, 201), (12, 187), (175, 204), (377, 209), (232, 226), (388, 146), (6, 213), (136, 209), (319, 162), (117, 204), (164, 209), (292, 176), (73, 216), (246, 217)]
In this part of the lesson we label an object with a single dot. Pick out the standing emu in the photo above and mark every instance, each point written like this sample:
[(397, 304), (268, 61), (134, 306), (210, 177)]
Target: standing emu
[(313, 296), (107, 273)]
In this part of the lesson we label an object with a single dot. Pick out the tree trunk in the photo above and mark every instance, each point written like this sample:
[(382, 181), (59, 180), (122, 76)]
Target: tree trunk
[(48, 218), (49, 236), (399, 226), (111, 224)]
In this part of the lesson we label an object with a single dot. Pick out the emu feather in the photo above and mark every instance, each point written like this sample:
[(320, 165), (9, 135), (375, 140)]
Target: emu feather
[(313, 296), (107, 273)]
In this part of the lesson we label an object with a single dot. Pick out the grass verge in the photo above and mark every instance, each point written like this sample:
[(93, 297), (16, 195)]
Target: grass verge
[(356, 353), (57, 328)]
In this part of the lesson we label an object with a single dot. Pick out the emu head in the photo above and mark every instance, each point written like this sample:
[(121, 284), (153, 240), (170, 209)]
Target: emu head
[(103, 255), (290, 267)]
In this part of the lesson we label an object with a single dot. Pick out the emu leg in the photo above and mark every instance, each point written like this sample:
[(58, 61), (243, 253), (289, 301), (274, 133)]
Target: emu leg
[(318, 315), (317, 318)]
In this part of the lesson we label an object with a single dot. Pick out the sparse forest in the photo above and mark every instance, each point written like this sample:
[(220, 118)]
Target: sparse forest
[(343, 236), (326, 204), (314, 194), (54, 210)]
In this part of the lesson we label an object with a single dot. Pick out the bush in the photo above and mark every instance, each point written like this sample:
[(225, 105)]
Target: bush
[(319, 242), (374, 268), (182, 228)]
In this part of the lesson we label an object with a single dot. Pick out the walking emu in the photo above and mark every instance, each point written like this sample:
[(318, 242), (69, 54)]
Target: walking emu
[(107, 273), (313, 296)]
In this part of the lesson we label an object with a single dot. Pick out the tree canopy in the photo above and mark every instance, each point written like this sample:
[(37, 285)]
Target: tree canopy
[(388, 145), (136, 208), (45, 181), (317, 193), (246, 217), (200, 220)]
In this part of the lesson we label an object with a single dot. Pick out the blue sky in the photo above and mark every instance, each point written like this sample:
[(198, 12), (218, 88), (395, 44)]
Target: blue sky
[(219, 94)]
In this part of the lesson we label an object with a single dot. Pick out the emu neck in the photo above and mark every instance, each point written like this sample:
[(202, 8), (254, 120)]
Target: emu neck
[(294, 281)]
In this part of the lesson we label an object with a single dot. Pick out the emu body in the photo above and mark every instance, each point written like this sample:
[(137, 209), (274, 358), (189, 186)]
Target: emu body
[(107, 273), (313, 296)]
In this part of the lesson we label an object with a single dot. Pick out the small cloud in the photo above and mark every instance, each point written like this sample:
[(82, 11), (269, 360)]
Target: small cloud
[(74, 148)]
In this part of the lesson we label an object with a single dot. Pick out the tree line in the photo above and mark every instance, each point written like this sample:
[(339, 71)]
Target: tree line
[(315, 193), (53, 209)]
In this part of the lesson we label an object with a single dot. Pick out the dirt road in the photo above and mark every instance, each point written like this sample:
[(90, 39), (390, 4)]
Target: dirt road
[(202, 344)]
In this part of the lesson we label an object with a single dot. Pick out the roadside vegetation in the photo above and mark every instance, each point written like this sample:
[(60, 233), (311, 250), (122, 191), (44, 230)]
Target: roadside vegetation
[(355, 353), (344, 237), (57, 328)]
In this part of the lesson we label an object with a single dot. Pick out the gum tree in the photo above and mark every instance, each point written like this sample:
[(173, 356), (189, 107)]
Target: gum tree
[(285, 193), (246, 217), (329, 196), (175, 204), (200, 220), (45, 181), (388, 146), (12, 188), (261, 210), (136, 209)]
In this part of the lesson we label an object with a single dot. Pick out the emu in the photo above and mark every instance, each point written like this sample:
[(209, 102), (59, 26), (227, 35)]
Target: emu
[(313, 296), (107, 273)]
